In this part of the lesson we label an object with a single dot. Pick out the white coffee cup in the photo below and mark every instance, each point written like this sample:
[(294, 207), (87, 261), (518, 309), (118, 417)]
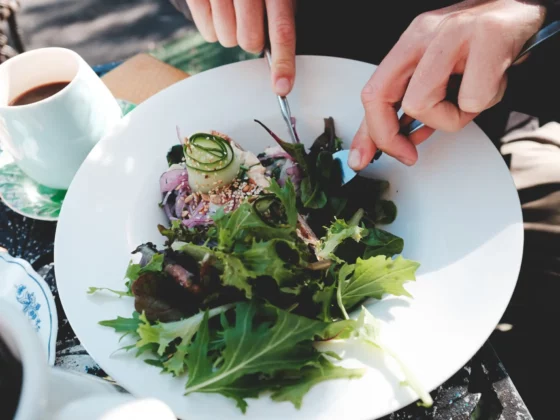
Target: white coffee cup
[(57, 394), (50, 139)]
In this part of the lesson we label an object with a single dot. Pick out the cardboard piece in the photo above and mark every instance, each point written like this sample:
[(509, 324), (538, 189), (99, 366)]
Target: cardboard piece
[(140, 77)]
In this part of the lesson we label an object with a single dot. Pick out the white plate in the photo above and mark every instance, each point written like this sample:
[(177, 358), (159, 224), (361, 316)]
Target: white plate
[(26, 290), (458, 212)]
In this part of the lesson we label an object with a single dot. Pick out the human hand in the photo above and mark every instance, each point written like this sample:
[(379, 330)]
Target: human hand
[(241, 22), (479, 39)]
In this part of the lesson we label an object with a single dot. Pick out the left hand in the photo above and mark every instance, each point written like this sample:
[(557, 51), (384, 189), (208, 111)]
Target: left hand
[(476, 38)]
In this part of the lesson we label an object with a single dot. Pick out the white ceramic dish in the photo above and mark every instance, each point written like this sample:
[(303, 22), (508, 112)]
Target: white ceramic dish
[(458, 213), (22, 286)]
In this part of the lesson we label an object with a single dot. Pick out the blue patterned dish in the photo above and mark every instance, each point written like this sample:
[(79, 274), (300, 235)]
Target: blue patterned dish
[(20, 284)]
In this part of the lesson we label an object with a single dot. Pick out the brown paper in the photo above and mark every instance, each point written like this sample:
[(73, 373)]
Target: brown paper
[(140, 77)]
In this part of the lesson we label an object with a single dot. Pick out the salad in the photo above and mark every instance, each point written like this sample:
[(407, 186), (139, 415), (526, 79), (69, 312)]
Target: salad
[(264, 257)]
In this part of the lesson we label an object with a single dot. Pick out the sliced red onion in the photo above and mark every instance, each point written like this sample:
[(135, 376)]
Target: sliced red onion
[(166, 197), (179, 205), (172, 179), (167, 211)]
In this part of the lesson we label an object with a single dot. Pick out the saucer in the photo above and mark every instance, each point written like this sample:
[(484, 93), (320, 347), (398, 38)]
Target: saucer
[(26, 290), (28, 198)]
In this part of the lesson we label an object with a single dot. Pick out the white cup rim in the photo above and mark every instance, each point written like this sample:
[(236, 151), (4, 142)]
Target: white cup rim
[(29, 54)]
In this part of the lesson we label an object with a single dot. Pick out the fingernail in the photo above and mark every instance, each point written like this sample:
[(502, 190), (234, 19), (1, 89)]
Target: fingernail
[(406, 160), (354, 159), (282, 86)]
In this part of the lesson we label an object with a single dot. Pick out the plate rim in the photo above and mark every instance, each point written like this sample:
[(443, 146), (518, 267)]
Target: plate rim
[(519, 221)]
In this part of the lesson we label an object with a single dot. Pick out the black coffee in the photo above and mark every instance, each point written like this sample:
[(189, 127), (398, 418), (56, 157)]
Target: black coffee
[(38, 93), (11, 377)]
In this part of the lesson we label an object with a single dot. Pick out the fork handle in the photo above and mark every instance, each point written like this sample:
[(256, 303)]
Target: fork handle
[(282, 100)]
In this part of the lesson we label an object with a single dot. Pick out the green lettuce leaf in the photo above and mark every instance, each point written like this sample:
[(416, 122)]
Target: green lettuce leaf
[(163, 333), (277, 258), (236, 226), (294, 390), (134, 271), (374, 277), (380, 242), (251, 348), (337, 233), (176, 363), (287, 196), (367, 330)]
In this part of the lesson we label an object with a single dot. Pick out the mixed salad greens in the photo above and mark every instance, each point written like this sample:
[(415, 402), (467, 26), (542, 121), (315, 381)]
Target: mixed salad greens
[(264, 257)]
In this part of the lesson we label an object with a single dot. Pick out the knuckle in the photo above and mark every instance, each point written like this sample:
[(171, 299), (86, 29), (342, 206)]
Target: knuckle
[(209, 37), (228, 42), (284, 66), (491, 24), (251, 41), (284, 30), (423, 23), (369, 93), (412, 107)]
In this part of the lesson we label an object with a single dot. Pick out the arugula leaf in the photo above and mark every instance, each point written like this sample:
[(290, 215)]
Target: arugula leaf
[(119, 293), (123, 325), (337, 233), (163, 333), (374, 277), (293, 390), (250, 348), (367, 330)]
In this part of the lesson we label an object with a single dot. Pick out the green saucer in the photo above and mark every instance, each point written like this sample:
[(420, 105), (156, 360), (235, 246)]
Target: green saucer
[(27, 197)]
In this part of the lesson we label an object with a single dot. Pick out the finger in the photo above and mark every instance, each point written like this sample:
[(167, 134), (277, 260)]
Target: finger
[(250, 24), (223, 15), (427, 90), (420, 135), (362, 149), (500, 94), (384, 89), (482, 79), (282, 32), (202, 17)]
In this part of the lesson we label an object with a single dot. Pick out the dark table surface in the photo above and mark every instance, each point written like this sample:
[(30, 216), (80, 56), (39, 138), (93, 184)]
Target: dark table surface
[(482, 389)]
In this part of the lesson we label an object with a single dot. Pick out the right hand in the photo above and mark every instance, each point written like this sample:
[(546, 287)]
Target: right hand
[(241, 22)]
